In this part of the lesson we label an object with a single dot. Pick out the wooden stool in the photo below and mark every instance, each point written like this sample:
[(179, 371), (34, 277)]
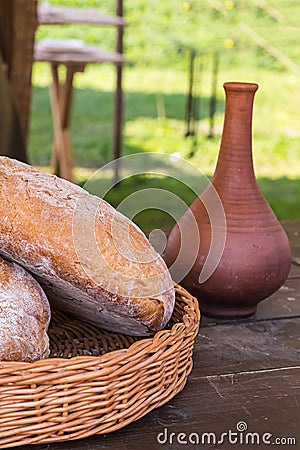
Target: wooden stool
[(75, 60), (61, 98)]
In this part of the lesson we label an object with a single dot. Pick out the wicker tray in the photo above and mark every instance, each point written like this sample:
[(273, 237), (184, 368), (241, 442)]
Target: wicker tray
[(95, 381)]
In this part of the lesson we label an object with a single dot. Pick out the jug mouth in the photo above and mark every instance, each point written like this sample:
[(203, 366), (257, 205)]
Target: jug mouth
[(240, 86)]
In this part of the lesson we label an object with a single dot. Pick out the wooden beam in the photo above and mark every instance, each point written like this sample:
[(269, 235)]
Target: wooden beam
[(18, 21), (6, 31), (24, 26)]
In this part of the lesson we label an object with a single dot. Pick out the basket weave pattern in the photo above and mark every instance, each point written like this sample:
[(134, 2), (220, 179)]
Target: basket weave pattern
[(95, 381)]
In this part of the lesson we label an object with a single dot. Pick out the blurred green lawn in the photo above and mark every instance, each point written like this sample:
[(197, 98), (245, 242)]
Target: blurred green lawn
[(155, 90)]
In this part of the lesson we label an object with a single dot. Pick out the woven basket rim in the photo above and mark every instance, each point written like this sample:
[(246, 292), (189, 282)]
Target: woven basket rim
[(191, 309)]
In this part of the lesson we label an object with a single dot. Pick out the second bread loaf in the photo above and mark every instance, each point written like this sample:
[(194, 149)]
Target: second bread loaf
[(24, 315)]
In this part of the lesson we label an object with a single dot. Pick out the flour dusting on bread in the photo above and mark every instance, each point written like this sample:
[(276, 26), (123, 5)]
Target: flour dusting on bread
[(24, 315)]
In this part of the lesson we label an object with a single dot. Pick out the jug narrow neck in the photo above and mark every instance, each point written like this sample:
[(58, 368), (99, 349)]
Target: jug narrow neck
[(235, 157)]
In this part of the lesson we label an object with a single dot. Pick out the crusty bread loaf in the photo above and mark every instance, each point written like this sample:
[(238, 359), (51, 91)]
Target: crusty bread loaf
[(24, 315), (91, 260)]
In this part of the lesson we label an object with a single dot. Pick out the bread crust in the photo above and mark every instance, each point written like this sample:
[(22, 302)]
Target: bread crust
[(24, 315), (91, 260)]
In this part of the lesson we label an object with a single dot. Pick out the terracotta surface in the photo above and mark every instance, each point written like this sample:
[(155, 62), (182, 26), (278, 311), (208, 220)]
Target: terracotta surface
[(257, 256)]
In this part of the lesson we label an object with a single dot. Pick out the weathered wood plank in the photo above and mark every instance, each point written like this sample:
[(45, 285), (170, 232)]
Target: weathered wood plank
[(247, 347), (284, 303), (292, 228), (266, 401), (295, 269)]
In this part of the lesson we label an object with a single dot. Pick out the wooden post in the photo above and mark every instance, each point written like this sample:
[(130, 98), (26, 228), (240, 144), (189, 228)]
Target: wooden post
[(118, 108), (18, 22), (213, 98), (6, 32), (197, 103), (190, 99), (61, 93)]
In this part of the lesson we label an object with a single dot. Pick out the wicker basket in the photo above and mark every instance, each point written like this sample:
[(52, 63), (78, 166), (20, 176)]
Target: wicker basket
[(95, 381)]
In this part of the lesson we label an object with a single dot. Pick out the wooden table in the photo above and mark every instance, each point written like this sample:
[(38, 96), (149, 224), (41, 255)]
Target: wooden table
[(245, 371)]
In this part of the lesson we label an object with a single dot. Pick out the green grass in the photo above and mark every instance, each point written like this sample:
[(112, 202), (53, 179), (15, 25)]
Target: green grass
[(155, 90)]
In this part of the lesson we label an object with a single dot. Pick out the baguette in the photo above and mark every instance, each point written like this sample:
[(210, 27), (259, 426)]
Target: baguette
[(91, 261), (24, 315)]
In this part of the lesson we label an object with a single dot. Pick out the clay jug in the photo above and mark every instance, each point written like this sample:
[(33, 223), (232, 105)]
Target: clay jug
[(255, 259)]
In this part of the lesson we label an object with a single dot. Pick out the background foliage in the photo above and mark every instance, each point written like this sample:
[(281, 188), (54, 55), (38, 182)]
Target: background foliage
[(257, 40)]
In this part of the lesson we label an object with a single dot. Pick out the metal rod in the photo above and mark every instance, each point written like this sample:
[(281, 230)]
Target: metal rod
[(118, 115), (213, 98), (189, 106)]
